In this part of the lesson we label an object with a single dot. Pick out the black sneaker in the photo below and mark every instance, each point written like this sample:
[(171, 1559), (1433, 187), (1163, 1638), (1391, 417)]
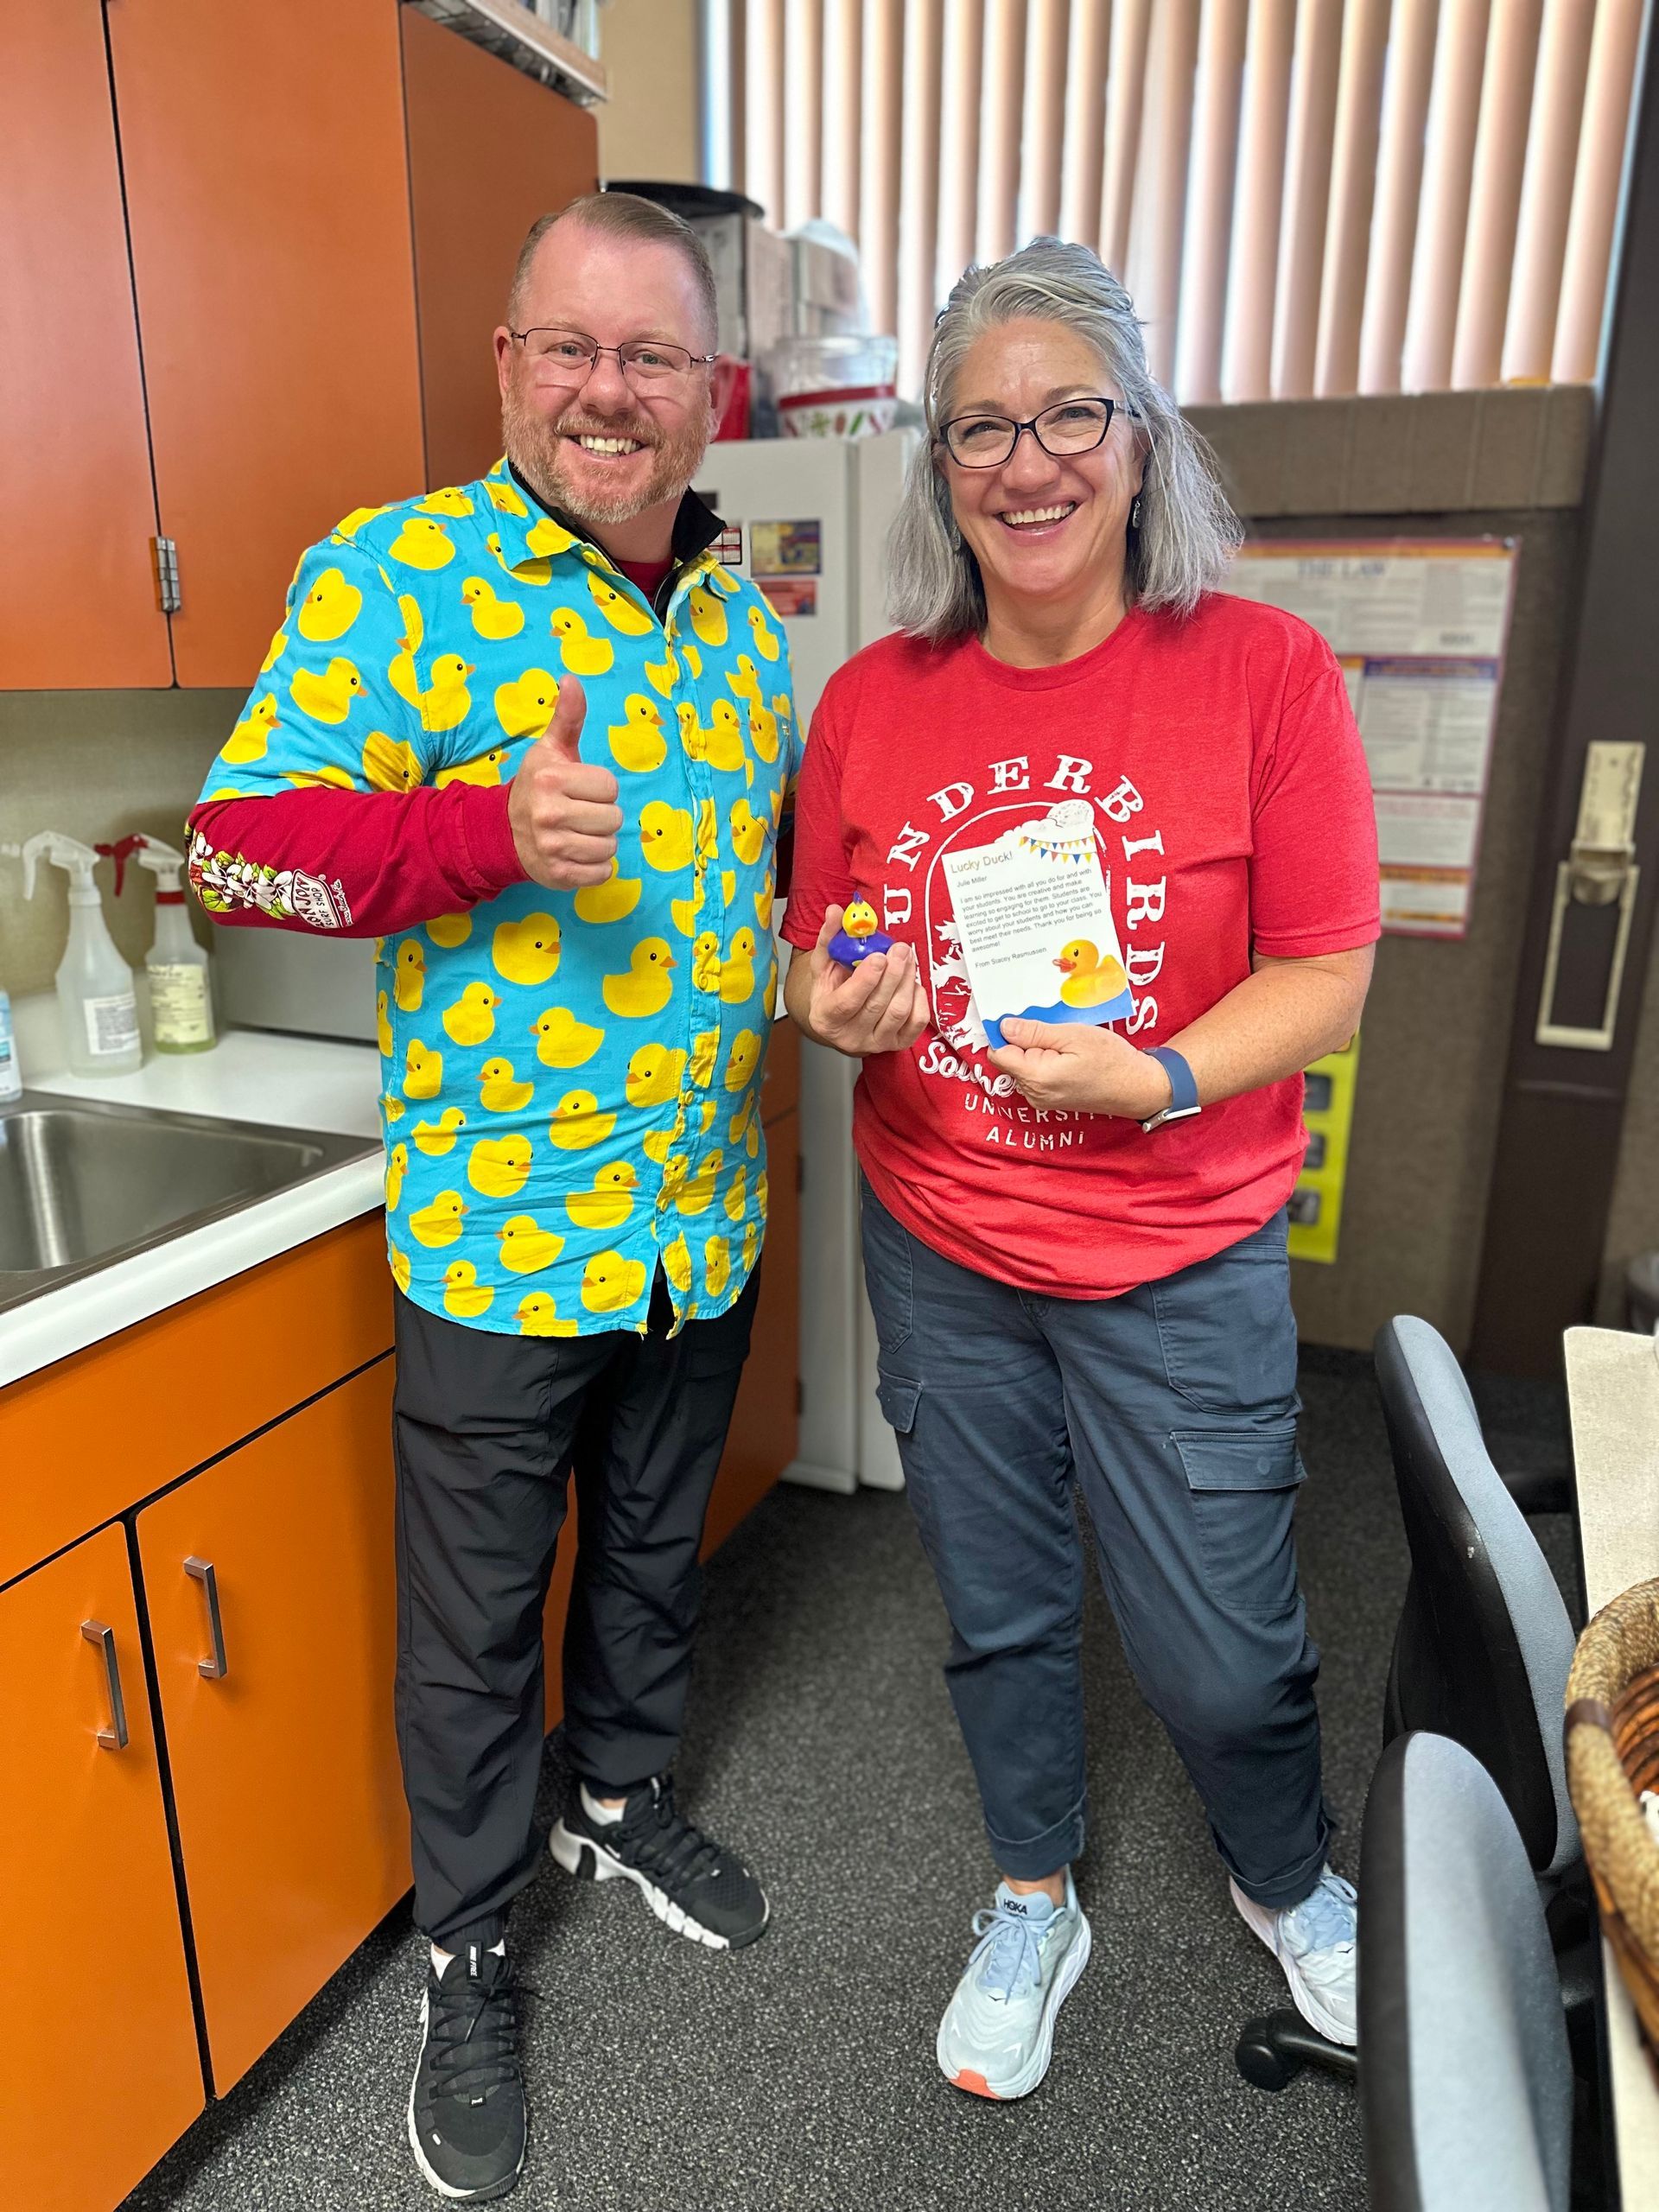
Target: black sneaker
[(467, 2101), (698, 1889)]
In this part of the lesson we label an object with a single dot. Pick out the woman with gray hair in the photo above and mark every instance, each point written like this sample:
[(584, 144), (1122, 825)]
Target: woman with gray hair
[(1075, 1224)]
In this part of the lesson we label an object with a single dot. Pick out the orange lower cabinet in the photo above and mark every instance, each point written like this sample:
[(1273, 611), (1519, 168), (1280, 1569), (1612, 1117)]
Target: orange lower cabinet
[(761, 1441), (558, 1604), (271, 1588), (780, 1086), (86, 1872)]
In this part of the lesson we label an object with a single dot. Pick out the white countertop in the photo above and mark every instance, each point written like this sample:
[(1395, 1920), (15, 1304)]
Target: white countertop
[(1612, 1388), (292, 1083)]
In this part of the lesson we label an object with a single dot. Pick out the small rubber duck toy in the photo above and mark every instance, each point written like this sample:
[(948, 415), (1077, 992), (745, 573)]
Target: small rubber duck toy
[(858, 936)]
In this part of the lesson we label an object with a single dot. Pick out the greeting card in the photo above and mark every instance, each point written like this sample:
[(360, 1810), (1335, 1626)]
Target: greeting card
[(1033, 911)]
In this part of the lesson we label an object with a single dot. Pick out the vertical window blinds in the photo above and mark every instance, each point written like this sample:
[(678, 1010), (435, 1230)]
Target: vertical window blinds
[(1304, 196)]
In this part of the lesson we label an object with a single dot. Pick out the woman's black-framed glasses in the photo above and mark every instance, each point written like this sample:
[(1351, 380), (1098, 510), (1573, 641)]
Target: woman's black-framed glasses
[(568, 357), (1071, 426)]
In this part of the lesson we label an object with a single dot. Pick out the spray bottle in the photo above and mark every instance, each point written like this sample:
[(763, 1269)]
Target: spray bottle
[(11, 1075), (180, 998), (95, 995)]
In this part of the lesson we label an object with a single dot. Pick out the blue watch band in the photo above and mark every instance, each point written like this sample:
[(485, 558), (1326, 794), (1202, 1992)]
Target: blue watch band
[(1183, 1091)]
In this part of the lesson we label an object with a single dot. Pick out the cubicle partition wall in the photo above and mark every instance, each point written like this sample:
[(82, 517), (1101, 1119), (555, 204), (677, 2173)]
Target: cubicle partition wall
[(1510, 464)]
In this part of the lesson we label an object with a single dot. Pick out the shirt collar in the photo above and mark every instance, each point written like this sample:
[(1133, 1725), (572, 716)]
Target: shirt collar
[(539, 532)]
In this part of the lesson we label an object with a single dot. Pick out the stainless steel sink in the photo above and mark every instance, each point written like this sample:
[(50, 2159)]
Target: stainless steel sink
[(84, 1184)]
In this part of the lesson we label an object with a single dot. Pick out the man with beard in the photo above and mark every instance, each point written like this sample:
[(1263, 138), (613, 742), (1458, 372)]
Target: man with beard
[(530, 734)]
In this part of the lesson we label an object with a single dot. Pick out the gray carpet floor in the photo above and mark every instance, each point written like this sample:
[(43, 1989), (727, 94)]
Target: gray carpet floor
[(800, 2073)]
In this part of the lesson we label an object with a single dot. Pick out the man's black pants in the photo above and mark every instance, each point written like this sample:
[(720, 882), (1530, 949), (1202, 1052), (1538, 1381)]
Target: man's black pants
[(486, 1429)]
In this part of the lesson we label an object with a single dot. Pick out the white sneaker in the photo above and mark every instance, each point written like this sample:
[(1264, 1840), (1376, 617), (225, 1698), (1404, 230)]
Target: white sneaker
[(997, 2034), (1316, 1942)]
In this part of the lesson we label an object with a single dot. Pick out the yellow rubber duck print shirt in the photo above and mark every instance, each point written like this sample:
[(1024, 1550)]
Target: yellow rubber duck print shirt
[(571, 1080)]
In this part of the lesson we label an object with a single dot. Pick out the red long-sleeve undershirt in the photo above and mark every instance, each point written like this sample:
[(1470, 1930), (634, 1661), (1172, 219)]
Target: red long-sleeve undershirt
[(391, 859)]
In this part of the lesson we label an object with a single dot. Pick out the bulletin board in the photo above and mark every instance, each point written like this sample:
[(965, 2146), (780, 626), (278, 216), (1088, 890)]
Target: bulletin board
[(1419, 626), (1328, 1113)]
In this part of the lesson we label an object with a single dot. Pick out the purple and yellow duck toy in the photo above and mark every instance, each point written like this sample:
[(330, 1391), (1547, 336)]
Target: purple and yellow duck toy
[(858, 937)]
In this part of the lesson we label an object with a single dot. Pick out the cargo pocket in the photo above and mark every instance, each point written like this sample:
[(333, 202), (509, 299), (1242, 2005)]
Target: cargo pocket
[(1244, 1484), (1226, 1329), (898, 1400)]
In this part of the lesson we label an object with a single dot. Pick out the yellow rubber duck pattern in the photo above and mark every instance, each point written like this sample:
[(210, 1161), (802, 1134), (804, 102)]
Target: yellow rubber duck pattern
[(571, 1082)]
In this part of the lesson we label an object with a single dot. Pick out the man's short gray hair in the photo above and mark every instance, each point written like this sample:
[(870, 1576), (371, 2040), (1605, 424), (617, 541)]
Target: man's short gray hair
[(1187, 533), (622, 215)]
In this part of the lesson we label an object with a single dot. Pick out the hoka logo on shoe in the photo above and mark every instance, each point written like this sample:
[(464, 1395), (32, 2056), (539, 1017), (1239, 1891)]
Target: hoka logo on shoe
[(1013, 1905)]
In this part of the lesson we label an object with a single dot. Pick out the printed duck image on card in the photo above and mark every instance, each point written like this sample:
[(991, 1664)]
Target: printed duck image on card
[(1034, 913)]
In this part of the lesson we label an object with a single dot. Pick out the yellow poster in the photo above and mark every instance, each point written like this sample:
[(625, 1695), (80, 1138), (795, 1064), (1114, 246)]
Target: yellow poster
[(1328, 1111)]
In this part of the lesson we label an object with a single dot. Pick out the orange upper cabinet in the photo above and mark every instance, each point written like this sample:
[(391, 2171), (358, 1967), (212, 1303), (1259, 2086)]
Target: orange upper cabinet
[(86, 1872), (271, 1593), (489, 150), (78, 597), (268, 204)]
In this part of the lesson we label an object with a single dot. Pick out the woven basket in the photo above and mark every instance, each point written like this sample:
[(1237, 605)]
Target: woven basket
[(1612, 1755)]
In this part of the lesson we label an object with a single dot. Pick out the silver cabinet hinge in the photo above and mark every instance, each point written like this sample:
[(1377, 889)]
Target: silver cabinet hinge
[(167, 574)]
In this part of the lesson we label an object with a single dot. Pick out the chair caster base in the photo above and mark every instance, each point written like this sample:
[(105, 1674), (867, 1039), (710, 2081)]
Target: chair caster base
[(1272, 2049)]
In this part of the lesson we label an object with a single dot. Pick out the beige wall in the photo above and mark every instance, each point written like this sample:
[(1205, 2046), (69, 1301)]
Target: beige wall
[(648, 128), (1437, 1025), (1436, 1033), (96, 765)]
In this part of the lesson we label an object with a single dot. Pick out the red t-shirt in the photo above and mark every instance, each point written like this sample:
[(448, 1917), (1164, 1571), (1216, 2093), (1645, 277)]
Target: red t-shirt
[(1232, 810)]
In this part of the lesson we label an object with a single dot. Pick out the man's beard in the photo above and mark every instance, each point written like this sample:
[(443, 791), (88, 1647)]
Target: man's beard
[(535, 446)]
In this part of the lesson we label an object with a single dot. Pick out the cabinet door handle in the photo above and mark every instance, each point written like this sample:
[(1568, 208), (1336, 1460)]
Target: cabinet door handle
[(202, 1570), (115, 1739)]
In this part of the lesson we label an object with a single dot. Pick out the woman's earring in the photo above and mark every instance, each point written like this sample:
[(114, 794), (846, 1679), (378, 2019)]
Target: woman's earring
[(1135, 513)]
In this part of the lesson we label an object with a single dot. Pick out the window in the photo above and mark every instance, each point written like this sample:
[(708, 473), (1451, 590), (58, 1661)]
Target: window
[(1303, 196)]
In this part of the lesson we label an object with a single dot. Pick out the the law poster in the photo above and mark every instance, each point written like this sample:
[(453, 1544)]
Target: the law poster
[(1420, 628)]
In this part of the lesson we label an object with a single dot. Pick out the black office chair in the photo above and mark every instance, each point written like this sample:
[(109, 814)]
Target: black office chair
[(1466, 2091), (1483, 1645), (1481, 1655), (1539, 1489)]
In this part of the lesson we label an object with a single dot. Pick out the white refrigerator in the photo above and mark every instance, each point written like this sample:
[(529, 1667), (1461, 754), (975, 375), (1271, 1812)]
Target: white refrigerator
[(811, 517)]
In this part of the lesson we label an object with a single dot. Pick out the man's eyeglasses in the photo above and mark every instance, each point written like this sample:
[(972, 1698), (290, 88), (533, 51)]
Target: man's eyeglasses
[(1071, 427), (568, 357)]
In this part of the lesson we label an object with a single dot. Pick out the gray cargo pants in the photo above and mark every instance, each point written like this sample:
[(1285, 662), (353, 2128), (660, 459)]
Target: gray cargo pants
[(1174, 1407)]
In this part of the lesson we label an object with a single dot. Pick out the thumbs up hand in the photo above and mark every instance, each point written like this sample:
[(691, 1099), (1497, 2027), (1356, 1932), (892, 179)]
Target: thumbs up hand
[(563, 811)]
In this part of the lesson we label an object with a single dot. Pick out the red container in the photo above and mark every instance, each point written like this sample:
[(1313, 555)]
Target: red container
[(734, 423), (847, 411)]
